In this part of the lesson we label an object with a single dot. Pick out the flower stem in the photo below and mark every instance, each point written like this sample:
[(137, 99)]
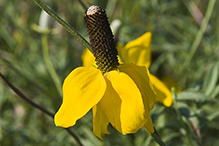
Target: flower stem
[(49, 65), (180, 116), (82, 4), (63, 23), (198, 37), (157, 139), (110, 7)]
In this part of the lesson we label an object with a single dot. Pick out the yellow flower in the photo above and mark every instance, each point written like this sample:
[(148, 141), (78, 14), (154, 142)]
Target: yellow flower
[(122, 97), (137, 52), (120, 94)]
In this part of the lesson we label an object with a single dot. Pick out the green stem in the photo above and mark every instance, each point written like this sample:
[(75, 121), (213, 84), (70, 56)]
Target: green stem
[(180, 116), (49, 65), (63, 23), (157, 139), (198, 37), (110, 7), (82, 4)]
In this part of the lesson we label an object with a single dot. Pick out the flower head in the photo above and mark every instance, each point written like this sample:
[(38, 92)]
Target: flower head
[(120, 94), (138, 52)]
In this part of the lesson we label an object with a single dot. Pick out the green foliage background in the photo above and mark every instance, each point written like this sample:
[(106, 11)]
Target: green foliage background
[(192, 120)]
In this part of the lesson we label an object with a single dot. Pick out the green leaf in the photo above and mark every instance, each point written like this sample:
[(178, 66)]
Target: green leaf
[(171, 136), (215, 92), (210, 79), (192, 95), (210, 118)]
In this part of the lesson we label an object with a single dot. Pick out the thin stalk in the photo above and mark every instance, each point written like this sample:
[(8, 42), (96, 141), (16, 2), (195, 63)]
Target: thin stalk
[(198, 38), (110, 7), (63, 23), (48, 113), (83, 5), (158, 139), (49, 64), (20, 94), (180, 116)]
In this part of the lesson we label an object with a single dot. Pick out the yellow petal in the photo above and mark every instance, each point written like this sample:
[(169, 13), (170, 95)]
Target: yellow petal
[(100, 121), (122, 103), (171, 83), (149, 124), (140, 75), (82, 89), (88, 58), (138, 51), (120, 49), (120, 60), (163, 93)]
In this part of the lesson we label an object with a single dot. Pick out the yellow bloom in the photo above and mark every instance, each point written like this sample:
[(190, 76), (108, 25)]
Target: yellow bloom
[(119, 94), (137, 52), (118, 97)]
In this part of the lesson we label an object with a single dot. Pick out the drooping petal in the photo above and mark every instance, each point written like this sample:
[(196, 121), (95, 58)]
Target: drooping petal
[(163, 93), (82, 89), (111, 104), (149, 124), (140, 75), (120, 49), (88, 58), (138, 51), (122, 103), (171, 83), (100, 121)]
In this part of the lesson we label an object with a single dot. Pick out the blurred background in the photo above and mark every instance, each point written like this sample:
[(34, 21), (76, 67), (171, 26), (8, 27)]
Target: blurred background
[(28, 49)]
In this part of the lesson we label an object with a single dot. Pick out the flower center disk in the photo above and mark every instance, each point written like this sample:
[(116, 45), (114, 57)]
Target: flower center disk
[(101, 39)]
